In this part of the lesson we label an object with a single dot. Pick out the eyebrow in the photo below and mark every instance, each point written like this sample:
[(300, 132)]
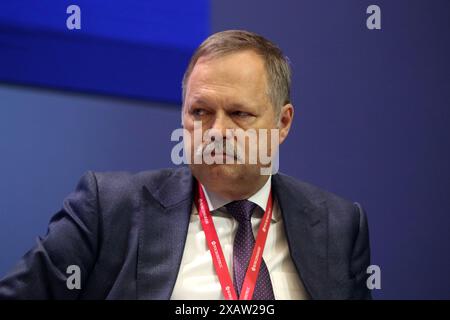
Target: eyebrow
[(234, 105), (199, 101)]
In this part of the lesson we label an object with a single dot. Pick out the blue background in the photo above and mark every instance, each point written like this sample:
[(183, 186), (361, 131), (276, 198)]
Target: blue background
[(371, 123)]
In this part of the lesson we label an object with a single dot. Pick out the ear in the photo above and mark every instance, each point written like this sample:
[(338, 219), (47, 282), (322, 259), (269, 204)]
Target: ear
[(286, 117)]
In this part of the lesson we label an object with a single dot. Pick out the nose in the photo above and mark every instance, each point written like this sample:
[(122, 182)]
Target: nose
[(221, 123)]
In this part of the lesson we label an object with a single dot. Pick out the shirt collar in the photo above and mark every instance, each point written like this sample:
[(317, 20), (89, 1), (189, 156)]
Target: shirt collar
[(259, 198)]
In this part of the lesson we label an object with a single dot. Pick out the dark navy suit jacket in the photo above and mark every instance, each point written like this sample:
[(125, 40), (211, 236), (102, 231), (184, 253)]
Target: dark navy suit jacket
[(127, 232)]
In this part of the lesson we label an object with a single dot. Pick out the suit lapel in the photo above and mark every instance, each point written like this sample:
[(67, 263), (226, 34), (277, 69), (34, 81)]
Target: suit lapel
[(164, 224), (305, 224)]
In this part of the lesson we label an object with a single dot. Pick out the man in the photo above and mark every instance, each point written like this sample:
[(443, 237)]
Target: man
[(149, 235)]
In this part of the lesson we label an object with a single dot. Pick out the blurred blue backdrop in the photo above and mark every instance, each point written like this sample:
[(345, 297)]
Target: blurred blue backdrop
[(371, 123), (138, 48)]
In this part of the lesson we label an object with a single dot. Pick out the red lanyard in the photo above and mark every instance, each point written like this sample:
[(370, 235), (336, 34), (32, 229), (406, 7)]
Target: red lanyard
[(217, 254)]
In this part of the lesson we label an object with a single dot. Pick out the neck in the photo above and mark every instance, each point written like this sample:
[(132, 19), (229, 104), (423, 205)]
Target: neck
[(237, 191)]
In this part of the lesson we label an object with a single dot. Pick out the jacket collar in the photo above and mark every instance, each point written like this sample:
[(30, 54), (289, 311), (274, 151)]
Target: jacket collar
[(164, 221), (305, 219)]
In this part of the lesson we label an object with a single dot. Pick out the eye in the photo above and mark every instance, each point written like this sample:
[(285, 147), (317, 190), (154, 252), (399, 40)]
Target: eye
[(198, 112), (241, 114)]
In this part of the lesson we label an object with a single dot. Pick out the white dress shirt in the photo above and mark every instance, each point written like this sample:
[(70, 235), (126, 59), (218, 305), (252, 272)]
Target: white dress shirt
[(197, 278)]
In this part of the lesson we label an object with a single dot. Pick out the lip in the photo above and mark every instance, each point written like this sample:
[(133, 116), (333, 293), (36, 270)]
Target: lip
[(223, 154)]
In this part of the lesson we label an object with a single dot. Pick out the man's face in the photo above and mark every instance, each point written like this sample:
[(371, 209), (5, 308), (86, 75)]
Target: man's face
[(228, 92)]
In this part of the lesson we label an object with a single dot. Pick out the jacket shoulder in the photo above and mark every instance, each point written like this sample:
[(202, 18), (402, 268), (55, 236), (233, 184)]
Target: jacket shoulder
[(341, 211), (124, 183), (123, 190), (313, 192)]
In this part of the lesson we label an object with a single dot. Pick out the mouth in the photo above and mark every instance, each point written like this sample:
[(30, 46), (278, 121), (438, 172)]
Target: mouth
[(223, 155)]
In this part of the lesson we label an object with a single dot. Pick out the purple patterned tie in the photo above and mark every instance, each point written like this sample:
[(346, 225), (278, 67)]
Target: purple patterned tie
[(244, 241)]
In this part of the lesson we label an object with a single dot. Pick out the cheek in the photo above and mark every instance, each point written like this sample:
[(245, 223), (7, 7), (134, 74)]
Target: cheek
[(187, 120), (268, 141), (188, 125)]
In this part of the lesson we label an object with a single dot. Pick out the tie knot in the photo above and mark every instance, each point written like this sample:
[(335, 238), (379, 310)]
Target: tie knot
[(241, 210)]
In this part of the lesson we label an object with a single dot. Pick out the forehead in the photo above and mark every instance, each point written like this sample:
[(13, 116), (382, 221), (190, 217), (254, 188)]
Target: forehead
[(241, 75)]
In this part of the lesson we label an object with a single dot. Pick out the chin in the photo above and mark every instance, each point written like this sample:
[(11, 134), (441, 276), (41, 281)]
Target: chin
[(217, 173), (223, 171)]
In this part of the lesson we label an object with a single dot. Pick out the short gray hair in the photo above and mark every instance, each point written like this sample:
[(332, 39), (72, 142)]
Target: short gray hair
[(277, 64)]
